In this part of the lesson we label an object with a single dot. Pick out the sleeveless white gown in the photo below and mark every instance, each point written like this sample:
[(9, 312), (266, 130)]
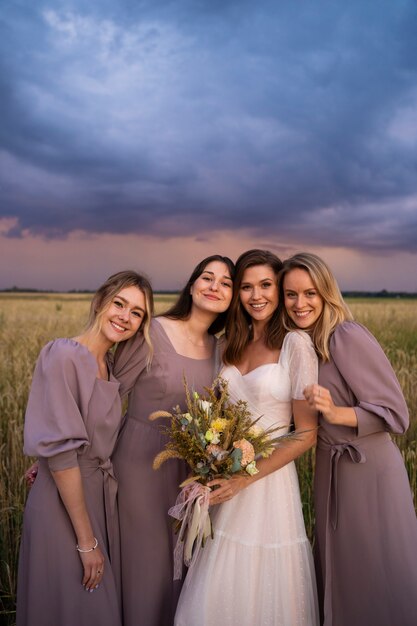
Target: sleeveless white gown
[(258, 569)]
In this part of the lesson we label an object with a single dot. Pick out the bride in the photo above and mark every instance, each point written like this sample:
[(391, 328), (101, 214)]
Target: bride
[(259, 569)]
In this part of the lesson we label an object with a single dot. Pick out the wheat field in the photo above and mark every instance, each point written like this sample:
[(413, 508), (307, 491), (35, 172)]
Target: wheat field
[(28, 321)]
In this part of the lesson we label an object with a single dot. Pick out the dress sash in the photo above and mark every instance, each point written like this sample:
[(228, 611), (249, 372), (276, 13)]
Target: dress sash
[(356, 450)]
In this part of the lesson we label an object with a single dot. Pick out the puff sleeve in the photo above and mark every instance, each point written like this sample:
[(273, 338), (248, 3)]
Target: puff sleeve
[(62, 385), (130, 361), (367, 371), (302, 362)]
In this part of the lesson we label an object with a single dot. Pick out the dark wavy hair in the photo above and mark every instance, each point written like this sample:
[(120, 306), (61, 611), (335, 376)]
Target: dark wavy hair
[(181, 310), (239, 323)]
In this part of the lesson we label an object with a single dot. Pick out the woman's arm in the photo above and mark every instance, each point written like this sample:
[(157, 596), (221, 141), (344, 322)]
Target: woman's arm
[(365, 369), (130, 361), (305, 420), (70, 487)]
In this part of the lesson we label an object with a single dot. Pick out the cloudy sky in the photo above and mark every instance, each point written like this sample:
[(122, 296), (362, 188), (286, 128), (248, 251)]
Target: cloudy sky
[(151, 133)]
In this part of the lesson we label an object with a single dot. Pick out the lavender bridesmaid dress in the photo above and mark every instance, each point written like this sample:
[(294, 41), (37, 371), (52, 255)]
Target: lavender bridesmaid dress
[(72, 419), (366, 526), (147, 540)]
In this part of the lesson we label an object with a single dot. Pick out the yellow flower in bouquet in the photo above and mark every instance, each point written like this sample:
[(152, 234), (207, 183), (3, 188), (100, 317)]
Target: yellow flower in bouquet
[(219, 424)]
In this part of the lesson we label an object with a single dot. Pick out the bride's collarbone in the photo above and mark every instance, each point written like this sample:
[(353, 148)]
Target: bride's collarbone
[(255, 356)]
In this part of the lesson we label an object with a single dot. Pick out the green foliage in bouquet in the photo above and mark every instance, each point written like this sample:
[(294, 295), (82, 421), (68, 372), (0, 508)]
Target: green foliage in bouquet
[(216, 437)]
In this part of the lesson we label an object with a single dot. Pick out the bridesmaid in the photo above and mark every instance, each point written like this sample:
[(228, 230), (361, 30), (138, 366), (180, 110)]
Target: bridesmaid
[(366, 527), (184, 345), (72, 420)]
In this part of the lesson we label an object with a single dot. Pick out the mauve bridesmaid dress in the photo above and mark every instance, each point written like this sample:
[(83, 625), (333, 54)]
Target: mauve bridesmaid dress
[(366, 526), (72, 419), (147, 540)]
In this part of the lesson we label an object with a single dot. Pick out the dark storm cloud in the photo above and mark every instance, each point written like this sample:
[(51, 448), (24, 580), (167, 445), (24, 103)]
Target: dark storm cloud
[(170, 118)]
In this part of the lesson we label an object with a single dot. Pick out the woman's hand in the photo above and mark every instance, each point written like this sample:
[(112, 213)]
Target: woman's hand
[(31, 473), (227, 488), (70, 486), (320, 399), (93, 566)]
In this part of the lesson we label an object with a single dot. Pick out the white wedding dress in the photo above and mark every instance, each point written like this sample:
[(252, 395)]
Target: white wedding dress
[(258, 570)]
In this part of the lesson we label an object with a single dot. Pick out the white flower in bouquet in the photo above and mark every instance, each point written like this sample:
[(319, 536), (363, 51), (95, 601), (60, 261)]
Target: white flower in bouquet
[(251, 468), (205, 406)]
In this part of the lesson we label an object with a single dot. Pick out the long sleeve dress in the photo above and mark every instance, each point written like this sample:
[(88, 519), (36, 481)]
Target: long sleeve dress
[(366, 527), (72, 420), (258, 569), (147, 540)]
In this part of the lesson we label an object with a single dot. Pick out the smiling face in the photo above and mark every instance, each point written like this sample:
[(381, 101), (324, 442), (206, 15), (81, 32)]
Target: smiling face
[(302, 301), (213, 289), (124, 315), (258, 292)]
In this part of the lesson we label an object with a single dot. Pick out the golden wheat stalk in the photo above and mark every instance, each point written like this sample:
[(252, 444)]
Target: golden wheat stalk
[(164, 456), (157, 414)]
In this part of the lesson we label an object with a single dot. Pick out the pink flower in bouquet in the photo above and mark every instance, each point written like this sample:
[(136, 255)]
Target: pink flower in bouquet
[(248, 452), (213, 449), (217, 451)]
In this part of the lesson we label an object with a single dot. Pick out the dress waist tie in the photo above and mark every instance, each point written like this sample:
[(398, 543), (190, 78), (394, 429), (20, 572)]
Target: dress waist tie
[(110, 494), (336, 451), (356, 451)]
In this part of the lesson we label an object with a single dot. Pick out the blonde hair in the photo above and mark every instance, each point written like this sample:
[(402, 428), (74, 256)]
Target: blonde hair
[(108, 290), (335, 310)]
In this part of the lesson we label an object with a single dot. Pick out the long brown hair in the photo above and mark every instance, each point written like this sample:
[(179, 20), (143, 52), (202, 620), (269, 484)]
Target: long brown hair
[(335, 309), (181, 309), (238, 326), (108, 290)]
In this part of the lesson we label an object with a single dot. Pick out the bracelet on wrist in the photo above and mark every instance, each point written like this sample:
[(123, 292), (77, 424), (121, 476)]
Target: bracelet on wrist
[(77, 547)]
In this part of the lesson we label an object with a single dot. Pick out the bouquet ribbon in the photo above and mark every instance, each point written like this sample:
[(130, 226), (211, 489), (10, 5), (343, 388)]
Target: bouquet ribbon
[(192, 510)]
